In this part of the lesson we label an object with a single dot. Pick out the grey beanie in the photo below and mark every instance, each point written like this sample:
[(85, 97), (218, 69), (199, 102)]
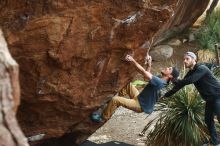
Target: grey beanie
[(191, 54)]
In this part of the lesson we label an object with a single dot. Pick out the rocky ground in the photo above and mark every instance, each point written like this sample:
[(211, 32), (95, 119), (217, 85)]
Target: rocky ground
[(122, 129)]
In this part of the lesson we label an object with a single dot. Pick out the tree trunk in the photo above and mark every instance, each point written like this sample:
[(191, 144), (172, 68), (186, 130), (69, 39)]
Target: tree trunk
[(187, 13), (211, 8), (10, 133), (178, 29)]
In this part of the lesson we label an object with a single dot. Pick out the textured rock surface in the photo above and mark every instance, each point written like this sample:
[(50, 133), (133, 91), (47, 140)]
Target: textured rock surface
[(71, 55), (174, 42)]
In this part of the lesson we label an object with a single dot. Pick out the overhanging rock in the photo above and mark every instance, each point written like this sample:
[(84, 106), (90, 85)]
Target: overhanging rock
[(71, 55)]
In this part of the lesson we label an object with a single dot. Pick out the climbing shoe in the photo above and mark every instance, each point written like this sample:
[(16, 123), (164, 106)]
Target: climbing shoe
[(97, 118)]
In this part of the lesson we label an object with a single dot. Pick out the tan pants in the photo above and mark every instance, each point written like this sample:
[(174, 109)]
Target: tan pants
[(132, 103)]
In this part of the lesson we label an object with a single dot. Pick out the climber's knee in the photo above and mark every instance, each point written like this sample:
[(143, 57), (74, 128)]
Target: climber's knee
[(115, 98)]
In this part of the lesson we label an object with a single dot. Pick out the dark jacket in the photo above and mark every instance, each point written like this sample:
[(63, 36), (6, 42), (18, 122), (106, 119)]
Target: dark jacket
[(203, 79)]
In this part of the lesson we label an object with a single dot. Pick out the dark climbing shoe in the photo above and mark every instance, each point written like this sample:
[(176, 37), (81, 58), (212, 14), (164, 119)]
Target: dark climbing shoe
[(97, 118)]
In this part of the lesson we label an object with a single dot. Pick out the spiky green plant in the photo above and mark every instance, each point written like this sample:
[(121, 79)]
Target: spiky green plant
[(209, 33), (181, 121), (216, 72)]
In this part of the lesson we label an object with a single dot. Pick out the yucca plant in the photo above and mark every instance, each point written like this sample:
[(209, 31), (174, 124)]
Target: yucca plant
[(216, 72), (180, 122)]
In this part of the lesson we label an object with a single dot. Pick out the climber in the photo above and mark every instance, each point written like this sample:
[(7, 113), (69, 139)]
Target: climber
[(145, 101)]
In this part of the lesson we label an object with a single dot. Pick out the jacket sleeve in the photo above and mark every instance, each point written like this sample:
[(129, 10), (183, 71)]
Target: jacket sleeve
[(188, 79), (176, 88)]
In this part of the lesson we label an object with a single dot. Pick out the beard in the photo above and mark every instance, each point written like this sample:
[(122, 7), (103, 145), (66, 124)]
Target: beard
[(189, 65)]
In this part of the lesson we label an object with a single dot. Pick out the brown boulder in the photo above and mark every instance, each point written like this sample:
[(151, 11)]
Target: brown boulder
[(71, 55)]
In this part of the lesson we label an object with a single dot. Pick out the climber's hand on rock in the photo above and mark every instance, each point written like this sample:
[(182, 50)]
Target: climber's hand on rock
[(129, 58), (148, 60)]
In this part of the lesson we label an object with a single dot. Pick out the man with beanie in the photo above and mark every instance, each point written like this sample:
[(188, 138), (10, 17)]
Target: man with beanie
[(208, 87), (145, 101)]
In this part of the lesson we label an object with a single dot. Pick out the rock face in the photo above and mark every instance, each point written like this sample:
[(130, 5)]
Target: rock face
[(71, 55)]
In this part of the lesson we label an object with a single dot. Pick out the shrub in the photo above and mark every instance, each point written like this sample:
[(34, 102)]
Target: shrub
[(181, 122), (209, 33)]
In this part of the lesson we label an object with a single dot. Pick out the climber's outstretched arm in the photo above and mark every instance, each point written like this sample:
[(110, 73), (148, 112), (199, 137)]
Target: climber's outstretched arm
[(139, 68)]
